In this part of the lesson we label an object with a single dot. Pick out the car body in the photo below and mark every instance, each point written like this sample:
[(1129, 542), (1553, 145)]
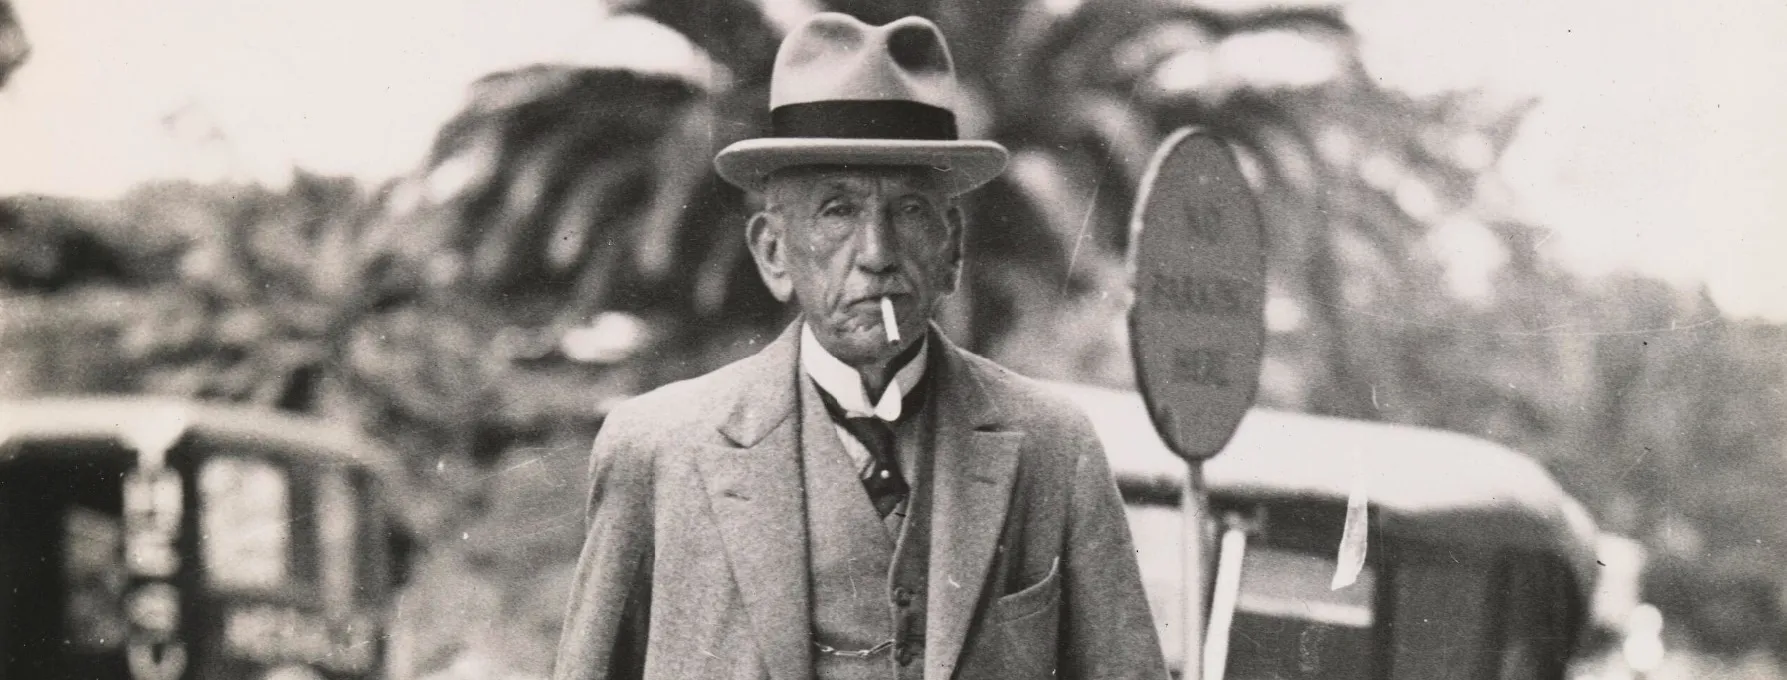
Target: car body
[(145, 537), (1477, 563)]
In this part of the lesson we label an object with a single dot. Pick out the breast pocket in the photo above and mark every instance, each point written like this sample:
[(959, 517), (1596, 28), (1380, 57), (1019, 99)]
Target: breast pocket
[(1029, 621)]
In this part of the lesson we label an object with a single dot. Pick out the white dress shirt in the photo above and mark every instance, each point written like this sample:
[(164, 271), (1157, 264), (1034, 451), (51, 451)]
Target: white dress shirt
[(845, 386)]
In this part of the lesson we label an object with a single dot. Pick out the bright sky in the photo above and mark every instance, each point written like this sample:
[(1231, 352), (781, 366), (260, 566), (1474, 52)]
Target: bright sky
[(121, 90), (1657, 146)]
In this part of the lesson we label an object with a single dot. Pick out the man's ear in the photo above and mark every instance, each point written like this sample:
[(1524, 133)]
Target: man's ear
[(771, 254), (958, 226)]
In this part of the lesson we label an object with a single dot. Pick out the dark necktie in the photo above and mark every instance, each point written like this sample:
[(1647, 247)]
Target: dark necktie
[(882, 480)]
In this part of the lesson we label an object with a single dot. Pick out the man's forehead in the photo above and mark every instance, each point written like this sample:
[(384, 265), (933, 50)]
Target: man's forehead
[(858, 177)]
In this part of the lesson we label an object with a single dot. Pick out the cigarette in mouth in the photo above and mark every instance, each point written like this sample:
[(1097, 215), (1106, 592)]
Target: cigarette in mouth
[(888, 322)]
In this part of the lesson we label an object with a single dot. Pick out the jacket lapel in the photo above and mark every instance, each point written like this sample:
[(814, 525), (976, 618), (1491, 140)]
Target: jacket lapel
[(976, 458), (755, 489)]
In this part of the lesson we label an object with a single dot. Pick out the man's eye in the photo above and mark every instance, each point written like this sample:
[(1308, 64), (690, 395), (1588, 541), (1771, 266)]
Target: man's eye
[(839, 210)]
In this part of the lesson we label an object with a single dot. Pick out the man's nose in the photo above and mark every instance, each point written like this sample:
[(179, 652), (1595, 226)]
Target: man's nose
[(878, 250)]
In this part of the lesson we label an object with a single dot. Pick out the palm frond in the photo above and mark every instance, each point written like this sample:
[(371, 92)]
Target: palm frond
[(14, 49), (733, 33), (575, 162)]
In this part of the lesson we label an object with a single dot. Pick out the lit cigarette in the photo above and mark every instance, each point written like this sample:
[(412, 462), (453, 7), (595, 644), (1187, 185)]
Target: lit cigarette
[(888, 322)]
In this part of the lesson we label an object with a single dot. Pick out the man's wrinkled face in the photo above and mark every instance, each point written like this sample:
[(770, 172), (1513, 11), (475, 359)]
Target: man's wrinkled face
[(836, 240)]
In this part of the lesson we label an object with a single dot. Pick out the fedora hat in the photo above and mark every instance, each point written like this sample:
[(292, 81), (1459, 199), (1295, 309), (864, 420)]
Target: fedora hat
[(847, 93)]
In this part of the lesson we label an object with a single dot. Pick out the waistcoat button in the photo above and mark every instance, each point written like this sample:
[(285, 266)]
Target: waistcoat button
[(902, 597), (903, 653)]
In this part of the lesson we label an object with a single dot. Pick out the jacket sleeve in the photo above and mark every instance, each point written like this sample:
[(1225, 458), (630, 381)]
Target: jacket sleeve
[(1107, 629), (607, 617)]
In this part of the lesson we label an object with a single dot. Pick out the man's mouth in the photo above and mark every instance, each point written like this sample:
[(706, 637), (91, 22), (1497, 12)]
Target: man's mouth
[(873, 302)]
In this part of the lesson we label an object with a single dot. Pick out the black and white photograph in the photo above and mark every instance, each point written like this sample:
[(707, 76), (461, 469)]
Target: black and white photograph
[(898, 340)]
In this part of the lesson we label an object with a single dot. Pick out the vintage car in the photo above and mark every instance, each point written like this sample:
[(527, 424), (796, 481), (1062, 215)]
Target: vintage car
[(1477, 564), (148, 538)]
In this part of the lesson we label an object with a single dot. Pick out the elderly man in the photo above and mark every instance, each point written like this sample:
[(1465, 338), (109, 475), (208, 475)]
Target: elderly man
[(861, 499)]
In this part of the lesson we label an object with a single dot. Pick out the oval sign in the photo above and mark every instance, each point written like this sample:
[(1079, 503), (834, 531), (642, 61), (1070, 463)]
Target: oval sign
[(1197, 328)]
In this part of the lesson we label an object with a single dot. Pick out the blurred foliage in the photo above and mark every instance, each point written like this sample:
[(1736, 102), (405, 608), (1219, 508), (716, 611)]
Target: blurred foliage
[(433, 311), (14, 49)]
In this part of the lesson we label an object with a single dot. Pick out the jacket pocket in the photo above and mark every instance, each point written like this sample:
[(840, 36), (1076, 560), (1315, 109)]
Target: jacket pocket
[(1040, 596), (1029, 621)]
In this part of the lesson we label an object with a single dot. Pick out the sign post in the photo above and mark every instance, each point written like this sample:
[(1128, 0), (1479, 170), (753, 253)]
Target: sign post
[(1197, 329)]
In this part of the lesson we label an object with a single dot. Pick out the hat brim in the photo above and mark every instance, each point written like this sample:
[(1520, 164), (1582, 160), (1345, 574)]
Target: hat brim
[(963, 165)]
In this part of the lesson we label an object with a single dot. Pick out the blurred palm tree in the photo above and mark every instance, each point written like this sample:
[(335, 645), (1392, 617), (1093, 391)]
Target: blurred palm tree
[(14, 50), (566, 241), (567, 192), (561, 193)]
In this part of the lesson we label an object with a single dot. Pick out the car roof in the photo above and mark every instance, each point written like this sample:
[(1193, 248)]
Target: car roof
[(1424, 484), (121, 419)]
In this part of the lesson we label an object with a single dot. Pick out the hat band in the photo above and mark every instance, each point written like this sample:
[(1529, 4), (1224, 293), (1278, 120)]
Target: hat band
[(863, 119)]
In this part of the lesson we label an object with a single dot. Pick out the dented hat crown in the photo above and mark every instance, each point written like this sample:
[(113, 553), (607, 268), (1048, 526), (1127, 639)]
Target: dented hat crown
[(847, 93)]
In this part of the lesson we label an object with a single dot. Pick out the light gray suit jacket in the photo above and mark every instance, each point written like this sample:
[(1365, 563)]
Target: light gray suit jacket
[(694, 565)]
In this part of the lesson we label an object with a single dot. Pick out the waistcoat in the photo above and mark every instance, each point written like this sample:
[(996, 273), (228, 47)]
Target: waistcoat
[(868, 586)]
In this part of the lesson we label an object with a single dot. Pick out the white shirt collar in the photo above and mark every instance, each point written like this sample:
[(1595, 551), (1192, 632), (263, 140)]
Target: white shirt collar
[(844, 384)]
